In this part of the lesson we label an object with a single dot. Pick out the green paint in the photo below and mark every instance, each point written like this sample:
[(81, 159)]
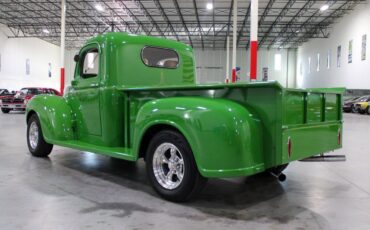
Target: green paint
[(233, 129)]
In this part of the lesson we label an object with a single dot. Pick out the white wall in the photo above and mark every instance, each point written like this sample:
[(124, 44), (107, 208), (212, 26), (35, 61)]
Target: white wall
[(211, 65), (355, 75), (14, 53)]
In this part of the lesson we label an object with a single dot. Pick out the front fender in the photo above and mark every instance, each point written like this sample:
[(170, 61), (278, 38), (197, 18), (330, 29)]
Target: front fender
[(55, 117), (225, 137)]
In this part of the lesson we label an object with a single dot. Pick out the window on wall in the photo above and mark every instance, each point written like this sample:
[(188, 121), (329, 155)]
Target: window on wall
[(328, 59), (318, 62), (309, 64), (277, 62)]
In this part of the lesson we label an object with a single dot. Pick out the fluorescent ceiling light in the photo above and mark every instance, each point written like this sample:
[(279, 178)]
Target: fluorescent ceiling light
[(98, 7), (324, 7), (209, 6), (46, 31)]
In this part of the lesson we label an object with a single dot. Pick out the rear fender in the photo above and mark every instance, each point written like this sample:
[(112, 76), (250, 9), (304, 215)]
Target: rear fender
[(225, 137)]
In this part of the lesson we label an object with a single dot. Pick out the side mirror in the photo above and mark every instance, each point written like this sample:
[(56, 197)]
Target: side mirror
[(76, 58), (74, 83)]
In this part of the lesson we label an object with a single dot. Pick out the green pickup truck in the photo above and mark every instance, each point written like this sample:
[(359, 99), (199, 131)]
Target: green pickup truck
[(136, 97)]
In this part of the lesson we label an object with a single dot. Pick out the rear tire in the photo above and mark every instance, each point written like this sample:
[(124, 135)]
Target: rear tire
[(353, 109), (35, 139), (171, 167), (5, 110)]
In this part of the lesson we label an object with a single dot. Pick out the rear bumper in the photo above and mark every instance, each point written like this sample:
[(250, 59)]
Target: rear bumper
[(347, 108)]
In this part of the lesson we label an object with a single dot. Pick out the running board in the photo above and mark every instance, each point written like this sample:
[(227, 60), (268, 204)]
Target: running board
[(325, 158)]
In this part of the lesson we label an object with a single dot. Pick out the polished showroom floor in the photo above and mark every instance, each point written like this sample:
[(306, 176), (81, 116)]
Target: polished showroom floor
[(80, 190)]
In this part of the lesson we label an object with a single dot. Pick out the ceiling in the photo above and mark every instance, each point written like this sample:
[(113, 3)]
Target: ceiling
[(282, 23)]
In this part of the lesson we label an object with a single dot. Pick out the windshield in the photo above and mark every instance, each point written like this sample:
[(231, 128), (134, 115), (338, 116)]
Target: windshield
[(29, 92), (352, 99), (362, 99)]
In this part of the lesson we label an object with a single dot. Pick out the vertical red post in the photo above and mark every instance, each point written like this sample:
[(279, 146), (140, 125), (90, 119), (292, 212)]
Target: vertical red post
[(62, 44), (253, 66), (254, 40), (233, 76), (62, 80)]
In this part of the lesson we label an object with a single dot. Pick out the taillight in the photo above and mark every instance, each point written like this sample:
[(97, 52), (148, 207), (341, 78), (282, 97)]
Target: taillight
[(339, 137), (289, 145)]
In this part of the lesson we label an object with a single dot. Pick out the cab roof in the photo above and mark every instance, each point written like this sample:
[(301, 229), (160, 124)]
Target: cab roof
[(123, 37)]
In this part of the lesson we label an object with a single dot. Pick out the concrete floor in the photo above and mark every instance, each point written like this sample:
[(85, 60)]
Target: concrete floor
[(77, 190)]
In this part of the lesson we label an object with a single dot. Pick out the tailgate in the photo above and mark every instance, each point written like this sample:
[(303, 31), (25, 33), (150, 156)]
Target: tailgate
[(312, 122)]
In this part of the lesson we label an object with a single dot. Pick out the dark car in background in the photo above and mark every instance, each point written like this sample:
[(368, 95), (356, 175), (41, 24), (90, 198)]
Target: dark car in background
[(20, 99), (349, 104), (3, 91)]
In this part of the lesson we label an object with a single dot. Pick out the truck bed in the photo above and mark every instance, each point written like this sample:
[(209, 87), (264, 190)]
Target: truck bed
[(310, 118)]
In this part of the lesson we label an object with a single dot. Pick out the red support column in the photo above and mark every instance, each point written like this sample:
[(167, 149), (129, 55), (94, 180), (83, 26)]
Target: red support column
[(253, 40), (62, 81), (253, 66), (233, 76)]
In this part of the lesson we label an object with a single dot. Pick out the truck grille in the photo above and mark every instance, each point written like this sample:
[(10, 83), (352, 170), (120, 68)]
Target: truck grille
[(12, 101)]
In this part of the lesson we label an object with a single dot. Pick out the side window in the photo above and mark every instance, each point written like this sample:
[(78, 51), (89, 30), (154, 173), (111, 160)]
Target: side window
[(160, 57), (90, 64)]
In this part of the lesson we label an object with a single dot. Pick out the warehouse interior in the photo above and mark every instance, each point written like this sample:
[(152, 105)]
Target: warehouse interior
[(300, 45)]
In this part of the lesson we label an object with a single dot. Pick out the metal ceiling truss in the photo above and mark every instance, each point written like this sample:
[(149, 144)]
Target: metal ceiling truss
[(282, 24)]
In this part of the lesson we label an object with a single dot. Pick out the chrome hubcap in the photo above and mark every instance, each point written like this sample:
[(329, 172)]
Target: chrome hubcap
[(33, 135), (168, 166)]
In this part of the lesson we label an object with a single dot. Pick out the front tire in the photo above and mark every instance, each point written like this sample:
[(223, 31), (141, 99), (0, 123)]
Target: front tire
[(171, 167), (5, 110), (35, 139)]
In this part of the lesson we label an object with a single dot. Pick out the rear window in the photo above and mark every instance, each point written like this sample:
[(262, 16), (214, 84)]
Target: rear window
[(159, 57)]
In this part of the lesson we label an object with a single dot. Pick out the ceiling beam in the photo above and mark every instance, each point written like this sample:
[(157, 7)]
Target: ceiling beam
[(198, 21), (182, 20)]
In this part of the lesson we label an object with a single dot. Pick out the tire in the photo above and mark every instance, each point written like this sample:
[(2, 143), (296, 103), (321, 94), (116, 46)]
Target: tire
[(169, 151), (5, 110), (35, 139), (353, 109)]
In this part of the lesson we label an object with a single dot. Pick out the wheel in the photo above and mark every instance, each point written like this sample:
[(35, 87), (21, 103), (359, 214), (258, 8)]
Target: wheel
[(171, 167), (35, 139), (353, 109), (5, 110)]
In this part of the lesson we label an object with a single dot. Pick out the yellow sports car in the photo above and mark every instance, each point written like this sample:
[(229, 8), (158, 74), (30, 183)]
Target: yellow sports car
[(363, 106)]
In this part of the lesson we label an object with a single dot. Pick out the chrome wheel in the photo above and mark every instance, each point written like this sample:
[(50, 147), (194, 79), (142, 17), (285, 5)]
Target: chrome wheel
[(168, 166), (33, 135)]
